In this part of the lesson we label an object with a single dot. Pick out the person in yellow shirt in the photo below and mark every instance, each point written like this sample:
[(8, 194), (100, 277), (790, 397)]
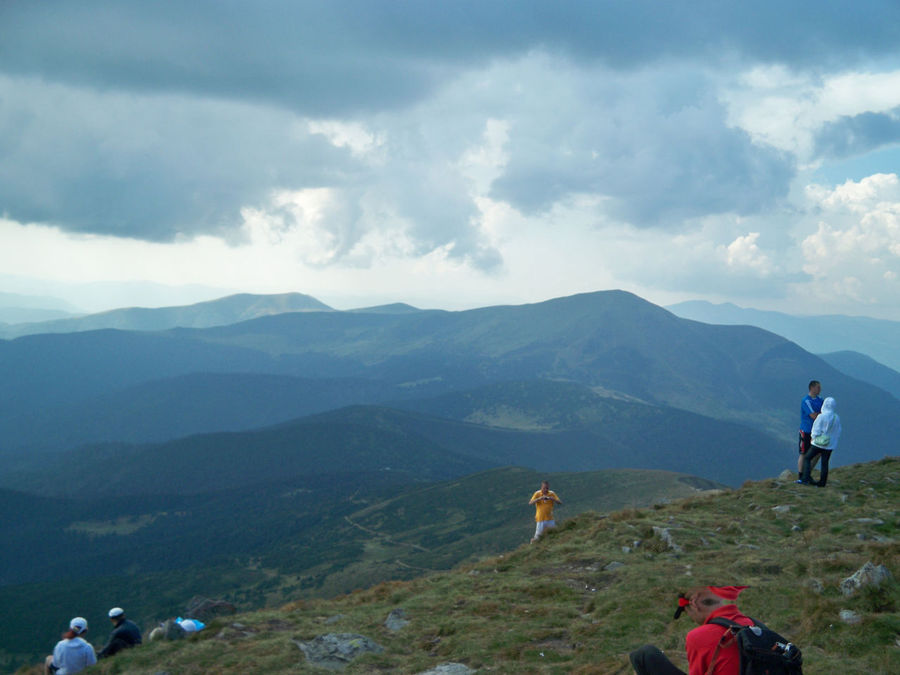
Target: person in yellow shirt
[(543, 500)]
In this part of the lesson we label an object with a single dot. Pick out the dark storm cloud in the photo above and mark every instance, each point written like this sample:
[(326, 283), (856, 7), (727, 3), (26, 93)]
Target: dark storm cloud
[(149, 169), (158, 119), (338, 57), (849, 136)]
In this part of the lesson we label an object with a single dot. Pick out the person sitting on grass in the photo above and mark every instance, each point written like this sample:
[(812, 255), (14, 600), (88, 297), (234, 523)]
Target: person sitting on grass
[(73, 653), (703, 644), (125, 634)]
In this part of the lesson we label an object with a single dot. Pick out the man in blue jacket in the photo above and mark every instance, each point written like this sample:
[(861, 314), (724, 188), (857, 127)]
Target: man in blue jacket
[(810, 407)]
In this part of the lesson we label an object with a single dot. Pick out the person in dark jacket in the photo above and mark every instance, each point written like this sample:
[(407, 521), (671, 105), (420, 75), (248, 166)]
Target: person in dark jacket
[(125, 634)]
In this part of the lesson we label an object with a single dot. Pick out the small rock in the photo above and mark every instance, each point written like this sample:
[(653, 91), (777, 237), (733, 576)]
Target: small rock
[(849, 616), (784, 508), (844, 498), (867, 521), (867, 575), (396, 620), (335, 618), (614, 565), (449, 669), (796, 528), (786, 476), (815, 585), (626, 549)]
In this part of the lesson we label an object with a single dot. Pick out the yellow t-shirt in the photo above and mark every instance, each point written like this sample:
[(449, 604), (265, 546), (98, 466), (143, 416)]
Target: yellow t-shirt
[(544, 507)]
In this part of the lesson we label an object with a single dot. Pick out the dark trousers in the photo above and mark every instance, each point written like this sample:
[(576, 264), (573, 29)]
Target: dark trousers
[(648, 660), (808, 459)]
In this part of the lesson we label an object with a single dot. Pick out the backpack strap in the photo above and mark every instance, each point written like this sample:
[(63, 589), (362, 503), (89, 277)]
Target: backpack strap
[(729, 635), (728, 623)]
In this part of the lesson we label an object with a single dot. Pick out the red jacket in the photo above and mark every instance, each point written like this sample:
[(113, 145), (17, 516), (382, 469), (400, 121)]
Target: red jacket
[(701, 643)]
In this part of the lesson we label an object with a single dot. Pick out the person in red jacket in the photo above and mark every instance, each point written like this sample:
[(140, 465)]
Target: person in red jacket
[(704, 645)]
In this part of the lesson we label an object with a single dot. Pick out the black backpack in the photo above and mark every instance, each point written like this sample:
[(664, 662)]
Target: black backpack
[(763, 651)]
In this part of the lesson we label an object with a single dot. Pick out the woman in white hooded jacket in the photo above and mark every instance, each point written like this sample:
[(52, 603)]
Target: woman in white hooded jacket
[(826, 431)]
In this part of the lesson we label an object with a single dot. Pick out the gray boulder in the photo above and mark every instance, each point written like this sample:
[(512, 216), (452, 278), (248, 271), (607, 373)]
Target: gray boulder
[(867, 575), (336, 650)]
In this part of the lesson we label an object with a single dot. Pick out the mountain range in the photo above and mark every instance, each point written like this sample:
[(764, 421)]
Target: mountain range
[(614, 343)]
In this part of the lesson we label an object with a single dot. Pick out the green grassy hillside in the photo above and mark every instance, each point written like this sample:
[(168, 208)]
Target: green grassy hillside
[(582, 598), (262, 546)]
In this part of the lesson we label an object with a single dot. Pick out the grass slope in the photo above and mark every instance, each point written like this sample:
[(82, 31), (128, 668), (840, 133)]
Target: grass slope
[(561, 607), (266, 545), (432, 528)]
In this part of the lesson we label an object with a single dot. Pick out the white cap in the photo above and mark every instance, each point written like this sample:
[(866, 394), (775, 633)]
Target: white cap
[(116, 611), (78, 624)]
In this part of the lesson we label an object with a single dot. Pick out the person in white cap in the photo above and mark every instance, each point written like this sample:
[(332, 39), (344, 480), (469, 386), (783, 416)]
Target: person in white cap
[(125, 634), (73, 653)]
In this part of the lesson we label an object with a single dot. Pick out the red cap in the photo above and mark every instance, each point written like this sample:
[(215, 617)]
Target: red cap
[(727, 592)]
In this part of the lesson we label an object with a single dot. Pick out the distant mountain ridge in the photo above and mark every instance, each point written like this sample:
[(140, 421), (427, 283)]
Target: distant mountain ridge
[(17, 308), (611, 341), (230, 309), (877, 338), (867, 369)]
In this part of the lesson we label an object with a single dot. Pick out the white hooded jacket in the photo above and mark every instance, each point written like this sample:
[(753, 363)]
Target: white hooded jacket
[(72, 656), (827, 424)]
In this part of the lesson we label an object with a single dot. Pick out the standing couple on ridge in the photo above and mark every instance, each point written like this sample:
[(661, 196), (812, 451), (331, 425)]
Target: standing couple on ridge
[(820, 429)]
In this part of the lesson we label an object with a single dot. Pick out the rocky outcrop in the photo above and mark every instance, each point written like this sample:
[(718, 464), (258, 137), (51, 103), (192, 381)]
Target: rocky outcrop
[(666, 536), (867, 575), (206, 610), (336, 650)]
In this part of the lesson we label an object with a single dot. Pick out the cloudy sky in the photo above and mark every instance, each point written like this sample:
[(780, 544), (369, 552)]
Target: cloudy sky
[(453, 153)]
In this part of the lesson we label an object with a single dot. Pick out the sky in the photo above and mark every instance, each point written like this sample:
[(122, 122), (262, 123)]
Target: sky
[(452, 154)]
